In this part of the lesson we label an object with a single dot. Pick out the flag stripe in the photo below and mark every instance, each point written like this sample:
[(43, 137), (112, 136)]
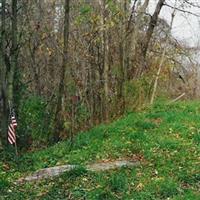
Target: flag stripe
[(12, 130), (10, 141), (11, 137), (11, 133)]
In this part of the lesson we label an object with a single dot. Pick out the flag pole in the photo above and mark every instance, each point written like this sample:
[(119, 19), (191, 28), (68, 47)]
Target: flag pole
[(16, 151)]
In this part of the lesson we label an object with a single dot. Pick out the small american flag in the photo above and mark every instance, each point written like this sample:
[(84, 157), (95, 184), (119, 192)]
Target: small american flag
[(12, 129)]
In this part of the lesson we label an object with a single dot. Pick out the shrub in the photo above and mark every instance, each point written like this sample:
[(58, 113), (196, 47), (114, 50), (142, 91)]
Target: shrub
[(3, 185), (34, 121)]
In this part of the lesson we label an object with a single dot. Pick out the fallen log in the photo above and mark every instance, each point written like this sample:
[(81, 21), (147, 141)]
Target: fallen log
[(58, 170)]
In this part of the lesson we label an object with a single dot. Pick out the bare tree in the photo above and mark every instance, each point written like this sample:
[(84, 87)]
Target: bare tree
[(152, 25), (61, 92), (13, 52), (3, 107), (162, 58)]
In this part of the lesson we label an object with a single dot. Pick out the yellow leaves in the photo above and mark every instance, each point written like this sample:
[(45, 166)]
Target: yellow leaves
[(155, 172), (177, 136), (85, 179), (128, 142), (170, 130), (140, 186), (95, 19), (49, 51), (40, 48), (6, 167), (42, 193), (98, 156), (66, 125), (158, 179), (44, 36), (139, 174), (112, 24)]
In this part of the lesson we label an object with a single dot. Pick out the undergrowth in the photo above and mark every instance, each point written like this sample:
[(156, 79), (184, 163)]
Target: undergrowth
[(165, 138)]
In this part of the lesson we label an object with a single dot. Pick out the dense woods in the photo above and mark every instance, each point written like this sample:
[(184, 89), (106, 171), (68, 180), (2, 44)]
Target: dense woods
[(66, 66)]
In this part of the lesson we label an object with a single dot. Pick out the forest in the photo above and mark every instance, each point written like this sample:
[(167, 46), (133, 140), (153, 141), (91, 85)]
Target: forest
[(99, 85)]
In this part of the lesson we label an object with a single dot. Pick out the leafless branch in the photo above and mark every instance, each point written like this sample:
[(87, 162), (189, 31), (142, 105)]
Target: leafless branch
[(182, 10), (192, 4)]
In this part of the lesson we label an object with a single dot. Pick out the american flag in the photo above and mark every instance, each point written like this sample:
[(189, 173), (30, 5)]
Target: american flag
[(12, 129)]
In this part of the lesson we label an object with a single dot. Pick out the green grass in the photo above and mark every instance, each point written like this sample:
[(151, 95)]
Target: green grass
[(166, 138)]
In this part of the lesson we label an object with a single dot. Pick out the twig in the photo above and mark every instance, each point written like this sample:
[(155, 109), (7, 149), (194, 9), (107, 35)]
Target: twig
[(177, 98), (181, 10)]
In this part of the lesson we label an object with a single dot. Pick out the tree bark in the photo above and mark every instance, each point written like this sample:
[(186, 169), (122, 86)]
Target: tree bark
[(152, 24), (3, 107), (123, 57), (105, 49), (59, 106), (137, 13), (13, 53), (141, 10), (162, 60), (147, 37)]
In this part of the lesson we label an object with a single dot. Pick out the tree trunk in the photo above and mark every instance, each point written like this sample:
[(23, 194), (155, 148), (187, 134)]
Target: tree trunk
[(123, 58), (148, 36), (162, 60), (13, 53), (59, 106), (140, 14), (151, 27), (105, 49), (138, 11), (3, 107)]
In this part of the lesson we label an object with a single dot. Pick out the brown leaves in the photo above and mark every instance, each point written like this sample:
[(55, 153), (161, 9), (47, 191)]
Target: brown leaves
[(6, 167)]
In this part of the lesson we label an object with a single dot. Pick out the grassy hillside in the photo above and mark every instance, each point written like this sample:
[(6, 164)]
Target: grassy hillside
[(165, 138)]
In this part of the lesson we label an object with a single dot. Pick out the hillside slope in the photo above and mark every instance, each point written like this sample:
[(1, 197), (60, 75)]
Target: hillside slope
[(165, 139)]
